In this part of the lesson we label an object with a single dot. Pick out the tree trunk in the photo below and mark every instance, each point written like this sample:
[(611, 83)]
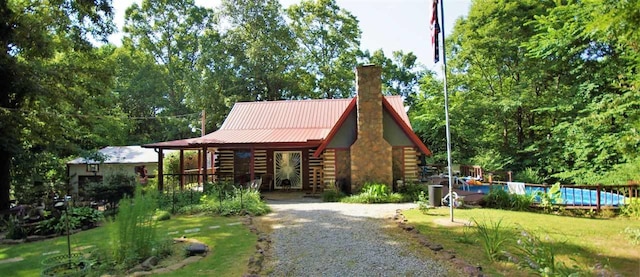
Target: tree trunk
[(5, 179), (519, 128), (505, 134)]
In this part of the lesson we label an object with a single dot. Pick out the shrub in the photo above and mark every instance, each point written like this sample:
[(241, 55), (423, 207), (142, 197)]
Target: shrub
[(175, 200), (244, 201), (240, 202), (633, 235), (497, 198), (332, 196), (113, 188), (162, 215), (529, 175), (86, 216), (14, 228), (412, 192), (521, 202), (549, 199), (631, 208), (374, 193), (423, 202)]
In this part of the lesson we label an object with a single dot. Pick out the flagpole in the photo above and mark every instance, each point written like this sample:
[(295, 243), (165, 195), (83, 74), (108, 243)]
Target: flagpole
[(446, 112)]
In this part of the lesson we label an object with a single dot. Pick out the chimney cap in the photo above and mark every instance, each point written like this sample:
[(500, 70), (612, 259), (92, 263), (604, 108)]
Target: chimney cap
[(368, 65)]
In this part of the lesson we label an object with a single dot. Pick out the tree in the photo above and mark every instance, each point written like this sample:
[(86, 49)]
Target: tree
[(32, 82), (329, 39), (263, 50), (170, 32), (400, 75), (491, 68), (596, 48)]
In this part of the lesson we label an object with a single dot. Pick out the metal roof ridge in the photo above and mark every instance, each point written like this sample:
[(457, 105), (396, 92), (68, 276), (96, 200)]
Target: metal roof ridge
[(292, 100)]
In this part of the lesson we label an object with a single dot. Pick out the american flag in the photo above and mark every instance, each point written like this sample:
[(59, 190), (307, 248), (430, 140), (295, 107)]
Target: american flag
[(435, 32)]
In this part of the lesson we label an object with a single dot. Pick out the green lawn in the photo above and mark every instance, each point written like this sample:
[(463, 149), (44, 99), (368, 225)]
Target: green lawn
[(581, 241), (230, 245)]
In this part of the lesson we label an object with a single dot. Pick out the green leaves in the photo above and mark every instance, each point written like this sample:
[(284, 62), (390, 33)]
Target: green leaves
[(330, 40)]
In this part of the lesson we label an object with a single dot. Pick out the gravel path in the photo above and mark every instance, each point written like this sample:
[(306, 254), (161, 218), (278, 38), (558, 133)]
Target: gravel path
[(312, 238)]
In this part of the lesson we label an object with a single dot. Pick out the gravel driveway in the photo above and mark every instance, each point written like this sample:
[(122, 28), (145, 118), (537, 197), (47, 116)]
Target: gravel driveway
[(313, 238)]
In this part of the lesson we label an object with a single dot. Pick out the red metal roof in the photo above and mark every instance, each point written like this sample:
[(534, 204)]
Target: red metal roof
[(289, 121), (290, 114)]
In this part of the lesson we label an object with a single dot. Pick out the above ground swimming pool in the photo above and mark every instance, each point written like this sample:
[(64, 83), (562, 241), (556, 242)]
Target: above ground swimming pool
[(570, 196)]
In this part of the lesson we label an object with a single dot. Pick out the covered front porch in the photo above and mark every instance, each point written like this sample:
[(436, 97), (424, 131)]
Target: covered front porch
[(274, 167)]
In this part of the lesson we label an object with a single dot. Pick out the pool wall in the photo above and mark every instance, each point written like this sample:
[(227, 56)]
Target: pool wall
[(570, 196)]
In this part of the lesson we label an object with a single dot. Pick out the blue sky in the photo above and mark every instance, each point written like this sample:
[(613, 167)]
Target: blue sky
[(386, 24)]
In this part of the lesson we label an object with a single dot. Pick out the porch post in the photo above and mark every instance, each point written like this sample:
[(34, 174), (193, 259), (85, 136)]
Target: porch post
[(181, 169), (199, 166), (204, 164), (160, 170)]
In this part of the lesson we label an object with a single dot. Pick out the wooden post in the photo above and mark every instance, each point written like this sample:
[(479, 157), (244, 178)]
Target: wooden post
[(181, 169), (598, 197), (200, 166), (160, 170), (509, 176), (204, 164)]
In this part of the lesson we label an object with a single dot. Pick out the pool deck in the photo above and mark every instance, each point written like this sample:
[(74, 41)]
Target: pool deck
[(470, 197)]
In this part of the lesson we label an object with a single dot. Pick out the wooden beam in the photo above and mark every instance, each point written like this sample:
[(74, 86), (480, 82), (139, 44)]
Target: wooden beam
[(160, 170), (181, 169), (204, 164)]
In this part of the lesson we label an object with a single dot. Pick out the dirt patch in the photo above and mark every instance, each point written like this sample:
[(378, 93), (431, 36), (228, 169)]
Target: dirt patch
[(456, 222)]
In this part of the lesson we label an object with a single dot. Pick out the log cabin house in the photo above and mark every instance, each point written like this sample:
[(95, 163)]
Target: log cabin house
[(307, 144)]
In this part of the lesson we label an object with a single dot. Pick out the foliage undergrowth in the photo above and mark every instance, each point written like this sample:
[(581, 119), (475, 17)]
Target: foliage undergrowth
[(633, 235), (550, 199), (423, 202), (332, 195), (412, 192), (631, 208), (85, 217), (112, 188), (540, 256), (498, 198), (221, 198), (374, 193), (529, 175)]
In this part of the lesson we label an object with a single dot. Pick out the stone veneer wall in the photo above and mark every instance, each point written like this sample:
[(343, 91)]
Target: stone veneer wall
[(371, 154)]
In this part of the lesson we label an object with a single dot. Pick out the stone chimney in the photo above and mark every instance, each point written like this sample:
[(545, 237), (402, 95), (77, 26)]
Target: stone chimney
[(371, 154)]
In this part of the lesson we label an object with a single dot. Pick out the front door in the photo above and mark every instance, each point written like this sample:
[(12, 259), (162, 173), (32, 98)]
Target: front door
[(288, 166)]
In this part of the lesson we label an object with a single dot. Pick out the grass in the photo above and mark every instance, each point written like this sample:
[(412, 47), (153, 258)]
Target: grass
[(581, 242), (230, 247)]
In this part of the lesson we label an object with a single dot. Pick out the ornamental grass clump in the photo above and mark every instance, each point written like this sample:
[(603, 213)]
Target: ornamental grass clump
[(133, 232), (492, 237)]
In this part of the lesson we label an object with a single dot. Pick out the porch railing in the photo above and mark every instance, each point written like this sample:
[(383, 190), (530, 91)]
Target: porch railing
[(182, 181)]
